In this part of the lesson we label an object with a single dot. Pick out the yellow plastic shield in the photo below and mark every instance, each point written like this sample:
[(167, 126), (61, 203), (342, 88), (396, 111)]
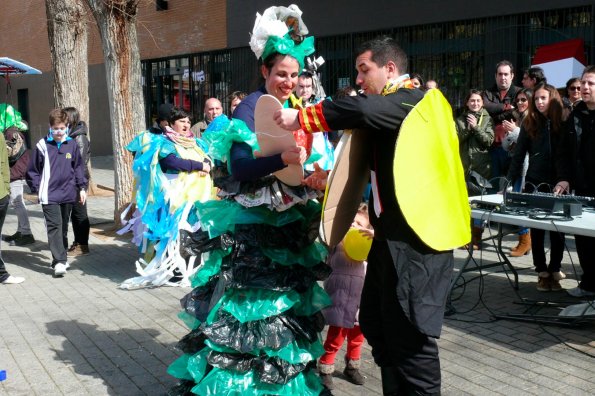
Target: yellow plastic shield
[(429, 177)]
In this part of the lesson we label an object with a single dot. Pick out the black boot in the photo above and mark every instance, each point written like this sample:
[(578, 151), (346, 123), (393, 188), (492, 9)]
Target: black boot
[(352, 372)]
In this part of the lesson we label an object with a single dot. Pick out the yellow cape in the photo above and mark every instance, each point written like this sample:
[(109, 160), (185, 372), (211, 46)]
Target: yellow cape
[(429, 177)]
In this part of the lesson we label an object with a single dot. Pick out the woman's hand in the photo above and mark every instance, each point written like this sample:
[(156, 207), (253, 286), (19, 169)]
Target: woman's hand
[(509, 125), (83, 197), (294, 155), (472, 121), (206, 169), (287, 119)]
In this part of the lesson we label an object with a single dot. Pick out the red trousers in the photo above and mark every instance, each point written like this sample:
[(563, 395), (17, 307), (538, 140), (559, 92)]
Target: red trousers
[(334, 341)]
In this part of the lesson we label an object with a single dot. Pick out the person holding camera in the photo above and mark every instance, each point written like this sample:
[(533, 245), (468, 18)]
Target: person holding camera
[(476, 134), (498, 101)]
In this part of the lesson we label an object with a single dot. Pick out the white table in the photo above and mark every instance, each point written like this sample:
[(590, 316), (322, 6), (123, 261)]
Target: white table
[(578, 225)]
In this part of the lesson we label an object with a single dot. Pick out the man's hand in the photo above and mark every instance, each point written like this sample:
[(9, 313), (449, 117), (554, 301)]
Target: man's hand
[(83, 197), (317, 180), (287, 119), (561, 188), (294, 155)]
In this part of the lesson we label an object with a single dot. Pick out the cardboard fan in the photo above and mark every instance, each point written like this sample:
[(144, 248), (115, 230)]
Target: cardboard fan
[(273, 139), (345, 186)]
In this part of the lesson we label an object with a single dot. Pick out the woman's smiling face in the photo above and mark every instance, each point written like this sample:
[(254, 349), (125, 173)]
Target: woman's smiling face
[(282, 78)]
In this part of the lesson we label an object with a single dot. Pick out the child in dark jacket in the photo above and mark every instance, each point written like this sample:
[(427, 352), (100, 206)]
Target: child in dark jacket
[(56, 173), (344, 286)]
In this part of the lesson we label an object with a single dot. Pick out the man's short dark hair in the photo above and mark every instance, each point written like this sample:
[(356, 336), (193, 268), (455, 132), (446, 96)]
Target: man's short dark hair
[(385, 49), (536, 73), (505, 63), (589, 69), (305, 74)]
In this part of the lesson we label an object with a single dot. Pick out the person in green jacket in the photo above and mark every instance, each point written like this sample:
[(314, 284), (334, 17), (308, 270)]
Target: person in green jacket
[(475, 129), (5, 277)]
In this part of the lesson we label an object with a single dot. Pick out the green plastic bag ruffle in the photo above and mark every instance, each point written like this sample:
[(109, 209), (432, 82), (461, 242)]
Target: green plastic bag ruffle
[(190, 321), (222, 133), (212, 265), (179, 368), (308, 257), (254, 304), (218, 217), (222, 382), (312, 301)]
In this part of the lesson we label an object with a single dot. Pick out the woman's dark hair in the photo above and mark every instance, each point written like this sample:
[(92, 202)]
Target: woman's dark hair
[(472, 92), (236, 95), (419, 78), (528, 92), (534, 120), (176, 114), (570, 82), (344, 92), (73, 116)]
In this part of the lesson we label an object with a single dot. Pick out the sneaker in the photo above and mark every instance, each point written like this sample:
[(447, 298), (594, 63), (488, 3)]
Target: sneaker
[(578, 292), (23, 240), (544, 284), (13, 280), (9, 238), (77, 249), (60, 269), (555, 284)]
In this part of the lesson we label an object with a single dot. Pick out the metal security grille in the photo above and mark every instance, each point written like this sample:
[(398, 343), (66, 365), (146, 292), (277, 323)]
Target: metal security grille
[(458, 55)]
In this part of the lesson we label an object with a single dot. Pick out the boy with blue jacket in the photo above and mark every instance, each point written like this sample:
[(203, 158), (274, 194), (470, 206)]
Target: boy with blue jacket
[(56, 173)]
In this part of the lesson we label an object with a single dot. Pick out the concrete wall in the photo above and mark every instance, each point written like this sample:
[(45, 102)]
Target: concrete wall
[(327, 18)]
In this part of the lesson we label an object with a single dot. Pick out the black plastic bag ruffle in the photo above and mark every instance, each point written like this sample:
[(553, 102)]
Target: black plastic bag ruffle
[(183, 388), (195, 243), (271, 370), (273, 332), (245, 337), (192, 342)]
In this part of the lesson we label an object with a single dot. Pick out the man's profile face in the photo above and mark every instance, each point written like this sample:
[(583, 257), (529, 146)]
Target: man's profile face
[(528, 82), (370, 77), (504, 77), (588, 90), (304, 88), (213, 109)]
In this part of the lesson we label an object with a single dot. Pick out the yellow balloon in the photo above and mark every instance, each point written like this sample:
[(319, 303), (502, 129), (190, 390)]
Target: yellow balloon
[(357, 246)]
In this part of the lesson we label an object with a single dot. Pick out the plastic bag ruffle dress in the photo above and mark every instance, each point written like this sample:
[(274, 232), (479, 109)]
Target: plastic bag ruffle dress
[(164, 206), (254, 312)]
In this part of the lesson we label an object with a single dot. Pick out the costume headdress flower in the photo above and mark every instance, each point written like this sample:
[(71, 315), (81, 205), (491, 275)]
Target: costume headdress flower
[(281, 29)]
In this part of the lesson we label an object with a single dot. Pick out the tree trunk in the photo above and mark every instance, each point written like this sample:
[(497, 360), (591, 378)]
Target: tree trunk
[(116, 20), (68, 36)]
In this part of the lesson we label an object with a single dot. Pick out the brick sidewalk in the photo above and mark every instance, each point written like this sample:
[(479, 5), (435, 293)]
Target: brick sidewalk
[(81, 335)]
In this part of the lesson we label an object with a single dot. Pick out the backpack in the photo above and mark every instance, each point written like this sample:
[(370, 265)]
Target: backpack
[(16, 148)]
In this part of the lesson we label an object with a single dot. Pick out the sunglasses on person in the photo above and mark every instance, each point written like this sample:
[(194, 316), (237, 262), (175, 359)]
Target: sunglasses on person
[(573, 88), (521, 100)]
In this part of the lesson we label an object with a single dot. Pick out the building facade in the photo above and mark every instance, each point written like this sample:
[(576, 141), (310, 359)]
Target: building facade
[(197, 49)]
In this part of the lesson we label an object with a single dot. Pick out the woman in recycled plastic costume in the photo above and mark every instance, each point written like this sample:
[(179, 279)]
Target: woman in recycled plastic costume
[(172, 173), (255, 308)]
